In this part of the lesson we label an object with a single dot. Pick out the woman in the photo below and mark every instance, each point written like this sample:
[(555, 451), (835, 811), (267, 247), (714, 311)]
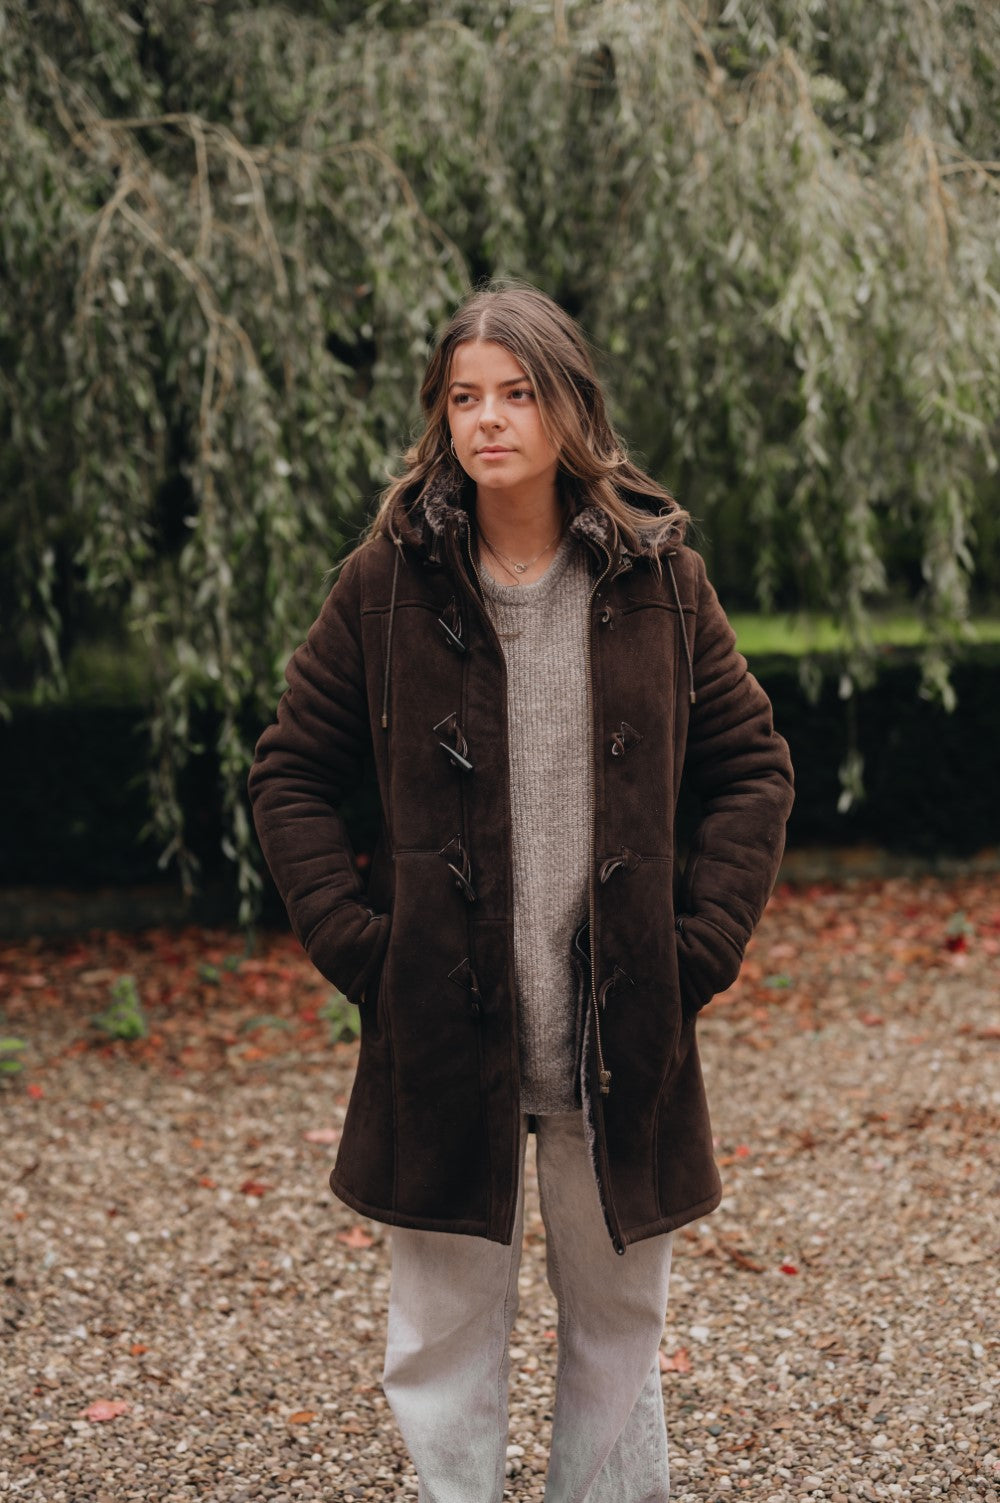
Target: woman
[(533, 659)]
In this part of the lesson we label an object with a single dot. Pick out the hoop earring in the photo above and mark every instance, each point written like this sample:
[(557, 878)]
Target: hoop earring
[(451, 445)]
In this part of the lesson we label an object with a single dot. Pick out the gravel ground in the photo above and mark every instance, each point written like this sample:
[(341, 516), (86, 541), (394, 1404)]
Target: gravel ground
[(169, 1243)]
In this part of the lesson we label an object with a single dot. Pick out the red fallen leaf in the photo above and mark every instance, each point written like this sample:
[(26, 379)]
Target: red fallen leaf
[(302, 1416), (254, 1187), (105, 1409), (956, 943), (872, 1020), (742, 1151), (549, 1335), (357, 1237), (680, 1362), (322, 1135), (137, 1348), (35, 1092), (788, 1268), (208, 1183)]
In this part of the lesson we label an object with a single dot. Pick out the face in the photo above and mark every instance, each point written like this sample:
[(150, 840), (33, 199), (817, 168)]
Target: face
[(495, 423)]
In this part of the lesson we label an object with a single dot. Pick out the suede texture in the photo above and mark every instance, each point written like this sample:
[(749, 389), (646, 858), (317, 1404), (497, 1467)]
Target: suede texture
[(425, 944)]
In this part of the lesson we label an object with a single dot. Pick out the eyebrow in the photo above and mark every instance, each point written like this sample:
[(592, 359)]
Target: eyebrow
[(471, 385)]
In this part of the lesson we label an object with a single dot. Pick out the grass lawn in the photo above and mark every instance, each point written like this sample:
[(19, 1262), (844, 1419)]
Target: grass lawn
[(796, 635)]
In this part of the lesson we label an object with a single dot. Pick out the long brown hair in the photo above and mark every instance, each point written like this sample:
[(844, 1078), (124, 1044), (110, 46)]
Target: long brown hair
[(594, 469)]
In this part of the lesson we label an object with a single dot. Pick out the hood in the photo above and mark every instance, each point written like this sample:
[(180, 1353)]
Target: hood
[(426, 515)]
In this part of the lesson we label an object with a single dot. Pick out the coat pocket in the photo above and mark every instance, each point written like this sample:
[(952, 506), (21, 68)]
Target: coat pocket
[(708, 961), (348, 949)]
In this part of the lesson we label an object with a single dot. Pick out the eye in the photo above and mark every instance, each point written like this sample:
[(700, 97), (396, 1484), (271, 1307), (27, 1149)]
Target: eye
[(522, 393), (461, 398)]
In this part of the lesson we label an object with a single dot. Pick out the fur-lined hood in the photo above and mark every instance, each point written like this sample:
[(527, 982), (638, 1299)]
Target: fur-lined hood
[(424, 517)]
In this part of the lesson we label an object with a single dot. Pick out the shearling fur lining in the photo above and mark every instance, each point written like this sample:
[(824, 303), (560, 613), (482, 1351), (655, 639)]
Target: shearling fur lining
[(591, 525), (442, 504)]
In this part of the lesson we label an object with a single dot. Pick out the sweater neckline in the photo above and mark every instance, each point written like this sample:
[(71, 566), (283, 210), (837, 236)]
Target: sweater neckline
[(538, 589)]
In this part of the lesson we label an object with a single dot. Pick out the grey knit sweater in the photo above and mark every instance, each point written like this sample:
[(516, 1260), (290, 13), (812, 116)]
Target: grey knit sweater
[(543, 631)]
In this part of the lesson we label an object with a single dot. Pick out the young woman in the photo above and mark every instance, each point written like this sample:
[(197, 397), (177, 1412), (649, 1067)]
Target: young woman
[(533, 659)]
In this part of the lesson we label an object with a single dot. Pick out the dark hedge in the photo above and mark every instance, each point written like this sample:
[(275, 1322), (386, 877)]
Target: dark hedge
[(75, 797)]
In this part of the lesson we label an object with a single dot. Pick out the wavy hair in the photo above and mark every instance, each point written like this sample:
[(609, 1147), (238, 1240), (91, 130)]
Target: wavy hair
[(594, 469)]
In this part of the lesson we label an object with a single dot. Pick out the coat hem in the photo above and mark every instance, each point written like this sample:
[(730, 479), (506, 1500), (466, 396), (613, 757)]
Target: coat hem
[(466, 1228), (673, 1222), (461, 1228)]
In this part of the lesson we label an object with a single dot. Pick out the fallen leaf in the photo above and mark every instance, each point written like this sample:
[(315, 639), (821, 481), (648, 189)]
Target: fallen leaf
[(357, 1237), (322, 1135), (788, 1268), (105, 1409), (302, 1416), (35, 1092), (680, 1362), (137, 1348), (740, 1258), (253, 1187)]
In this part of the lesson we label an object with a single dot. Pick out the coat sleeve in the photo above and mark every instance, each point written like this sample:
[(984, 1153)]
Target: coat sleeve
[(304, 766), (740, 769)]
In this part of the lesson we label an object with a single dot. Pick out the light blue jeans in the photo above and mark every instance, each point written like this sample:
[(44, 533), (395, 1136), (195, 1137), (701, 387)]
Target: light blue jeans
[(452, 1306)]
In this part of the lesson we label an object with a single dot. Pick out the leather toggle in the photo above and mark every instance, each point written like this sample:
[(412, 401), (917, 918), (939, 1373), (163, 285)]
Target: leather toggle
[(456, 748), (625, 860), (618, 977), (624, 739), (450, 622), (464, 976), (460, 867)]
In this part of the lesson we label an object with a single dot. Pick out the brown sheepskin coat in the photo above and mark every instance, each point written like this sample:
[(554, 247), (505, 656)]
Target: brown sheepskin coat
[(425, 945)]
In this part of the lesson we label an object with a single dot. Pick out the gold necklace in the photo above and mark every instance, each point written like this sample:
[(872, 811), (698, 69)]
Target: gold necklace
[(510, 565)]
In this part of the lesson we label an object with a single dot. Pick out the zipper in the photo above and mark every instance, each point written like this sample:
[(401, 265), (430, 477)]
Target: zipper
[(603, 1073), (599, 1148)]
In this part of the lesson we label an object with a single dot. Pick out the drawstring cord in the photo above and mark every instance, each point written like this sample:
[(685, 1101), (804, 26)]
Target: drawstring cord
[(388, 645), (687, 644)]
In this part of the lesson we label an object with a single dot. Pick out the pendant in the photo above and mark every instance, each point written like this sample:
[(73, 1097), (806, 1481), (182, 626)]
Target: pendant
[(520, 568)]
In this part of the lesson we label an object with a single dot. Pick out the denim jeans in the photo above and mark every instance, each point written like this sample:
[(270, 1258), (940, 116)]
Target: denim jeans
[(452, 1306)]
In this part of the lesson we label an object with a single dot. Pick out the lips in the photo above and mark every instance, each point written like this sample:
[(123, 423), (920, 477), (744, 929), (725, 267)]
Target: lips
[(494, 449)]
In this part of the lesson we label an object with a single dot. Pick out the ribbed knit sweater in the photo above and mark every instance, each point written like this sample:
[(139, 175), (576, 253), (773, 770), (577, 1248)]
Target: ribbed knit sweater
[(543, 631)]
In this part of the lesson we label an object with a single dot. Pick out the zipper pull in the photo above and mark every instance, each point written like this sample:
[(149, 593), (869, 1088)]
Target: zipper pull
[(605, 1078)]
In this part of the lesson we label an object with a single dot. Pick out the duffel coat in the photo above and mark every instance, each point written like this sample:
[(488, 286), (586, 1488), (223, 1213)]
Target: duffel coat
[(403, 667)]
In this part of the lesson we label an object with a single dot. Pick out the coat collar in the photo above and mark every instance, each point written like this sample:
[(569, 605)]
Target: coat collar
[(444, 506)]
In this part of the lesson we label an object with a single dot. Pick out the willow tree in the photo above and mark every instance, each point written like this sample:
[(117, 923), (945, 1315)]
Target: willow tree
[(228, 233)]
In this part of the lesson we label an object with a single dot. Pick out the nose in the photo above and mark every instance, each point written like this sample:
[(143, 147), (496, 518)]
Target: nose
[(490, 415)]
